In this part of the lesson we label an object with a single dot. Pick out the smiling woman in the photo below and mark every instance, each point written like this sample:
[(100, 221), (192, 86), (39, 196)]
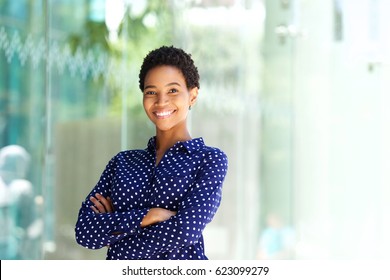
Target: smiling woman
[(155, 203)]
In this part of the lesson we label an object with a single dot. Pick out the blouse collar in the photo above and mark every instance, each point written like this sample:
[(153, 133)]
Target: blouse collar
[(190, 146)]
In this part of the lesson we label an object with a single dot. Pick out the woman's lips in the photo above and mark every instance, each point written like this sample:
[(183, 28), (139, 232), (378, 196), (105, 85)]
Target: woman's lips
[(164, 114)]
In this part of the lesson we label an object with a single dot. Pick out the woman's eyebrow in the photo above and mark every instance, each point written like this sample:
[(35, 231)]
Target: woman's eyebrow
[(173, 84), (149, 86), (167, 85)]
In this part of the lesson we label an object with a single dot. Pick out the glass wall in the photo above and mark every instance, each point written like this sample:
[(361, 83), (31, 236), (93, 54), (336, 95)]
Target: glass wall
[(325, 128), (293, 91)]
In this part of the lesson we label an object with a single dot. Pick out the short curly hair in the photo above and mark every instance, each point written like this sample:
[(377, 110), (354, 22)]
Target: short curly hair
[(169, 55)]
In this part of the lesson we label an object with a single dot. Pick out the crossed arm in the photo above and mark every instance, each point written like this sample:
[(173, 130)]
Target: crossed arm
[(102, 204)]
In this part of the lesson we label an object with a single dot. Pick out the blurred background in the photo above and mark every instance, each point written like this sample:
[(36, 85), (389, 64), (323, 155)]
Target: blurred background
[(296, 92)]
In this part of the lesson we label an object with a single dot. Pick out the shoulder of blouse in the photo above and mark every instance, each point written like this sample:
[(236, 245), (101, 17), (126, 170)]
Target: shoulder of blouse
[(214, 151), (215, 157)]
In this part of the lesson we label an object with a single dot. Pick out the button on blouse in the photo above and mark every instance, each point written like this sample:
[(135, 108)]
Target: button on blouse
[(188, 179)]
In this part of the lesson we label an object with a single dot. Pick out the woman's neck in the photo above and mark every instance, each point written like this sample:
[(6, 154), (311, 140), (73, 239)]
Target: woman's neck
[(166, 139)]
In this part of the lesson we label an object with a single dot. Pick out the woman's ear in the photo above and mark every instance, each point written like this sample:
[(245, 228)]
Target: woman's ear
[(193, 95)]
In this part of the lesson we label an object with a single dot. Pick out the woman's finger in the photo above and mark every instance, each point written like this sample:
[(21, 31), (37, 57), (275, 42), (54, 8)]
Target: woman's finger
[(94, 209), (98, 205), (105, 202)]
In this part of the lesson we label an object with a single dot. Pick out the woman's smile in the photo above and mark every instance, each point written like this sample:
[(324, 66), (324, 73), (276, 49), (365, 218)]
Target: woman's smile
[(163, 114)]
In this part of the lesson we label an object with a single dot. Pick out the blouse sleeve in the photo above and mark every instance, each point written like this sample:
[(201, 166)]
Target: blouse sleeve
[(196, 210), (95, 231)]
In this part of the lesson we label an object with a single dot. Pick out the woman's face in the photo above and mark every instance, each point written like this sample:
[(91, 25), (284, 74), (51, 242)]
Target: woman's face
[(166, 98)]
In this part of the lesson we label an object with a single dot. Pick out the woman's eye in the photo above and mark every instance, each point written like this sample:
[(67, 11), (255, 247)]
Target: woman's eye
[(173, 90), (150, 93)]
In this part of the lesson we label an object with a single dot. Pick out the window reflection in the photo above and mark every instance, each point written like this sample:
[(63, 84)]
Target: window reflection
[(21, 226)]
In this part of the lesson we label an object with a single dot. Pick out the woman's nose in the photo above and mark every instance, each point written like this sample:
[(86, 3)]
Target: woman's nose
[(162, 99)]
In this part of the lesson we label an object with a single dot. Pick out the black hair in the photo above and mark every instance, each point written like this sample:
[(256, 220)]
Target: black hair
[(173, 57)]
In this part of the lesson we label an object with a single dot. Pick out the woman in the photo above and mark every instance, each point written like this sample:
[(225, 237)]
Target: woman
[(154, 203)]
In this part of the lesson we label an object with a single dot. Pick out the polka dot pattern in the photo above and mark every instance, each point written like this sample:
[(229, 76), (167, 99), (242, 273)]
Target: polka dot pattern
[(188, 180)]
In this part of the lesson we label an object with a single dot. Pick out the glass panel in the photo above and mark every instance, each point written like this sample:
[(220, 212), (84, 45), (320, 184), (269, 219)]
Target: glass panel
[(277, 231), (358, 125), (22, 137), (337, 181)]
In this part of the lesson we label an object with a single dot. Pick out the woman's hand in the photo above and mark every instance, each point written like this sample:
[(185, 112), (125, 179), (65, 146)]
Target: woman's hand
[(156, 215), (101, 204)]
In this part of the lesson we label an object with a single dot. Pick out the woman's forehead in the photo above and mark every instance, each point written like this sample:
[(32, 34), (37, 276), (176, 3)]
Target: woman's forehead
[(164, 74)]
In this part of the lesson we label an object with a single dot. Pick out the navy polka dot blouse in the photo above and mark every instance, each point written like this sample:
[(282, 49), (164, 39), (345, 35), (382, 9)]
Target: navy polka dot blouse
[(188, 180)]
